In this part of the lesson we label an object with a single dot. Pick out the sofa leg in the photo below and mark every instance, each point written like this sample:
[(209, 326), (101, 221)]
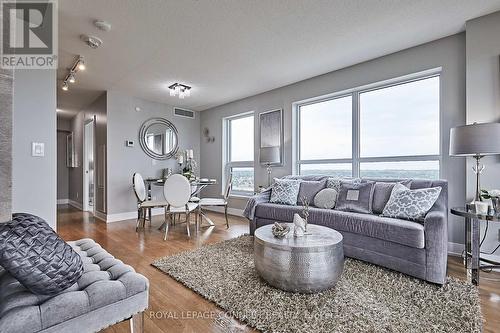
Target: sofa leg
[(137, 323)]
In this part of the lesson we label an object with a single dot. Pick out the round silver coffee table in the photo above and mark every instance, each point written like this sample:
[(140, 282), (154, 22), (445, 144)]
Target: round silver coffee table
[(307, 264)]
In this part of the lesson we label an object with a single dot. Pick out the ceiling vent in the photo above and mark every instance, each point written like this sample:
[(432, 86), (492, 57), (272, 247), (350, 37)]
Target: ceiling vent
[(184, 113)]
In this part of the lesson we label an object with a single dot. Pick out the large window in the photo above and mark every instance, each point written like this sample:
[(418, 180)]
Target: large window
[(386, 131), (239, 152)]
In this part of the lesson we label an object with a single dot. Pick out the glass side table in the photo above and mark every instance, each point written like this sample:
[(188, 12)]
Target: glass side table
[(472, 253)]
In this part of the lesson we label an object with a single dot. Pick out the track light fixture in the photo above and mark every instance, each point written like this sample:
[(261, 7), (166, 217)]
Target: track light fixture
[(179, 89), (78, 65)]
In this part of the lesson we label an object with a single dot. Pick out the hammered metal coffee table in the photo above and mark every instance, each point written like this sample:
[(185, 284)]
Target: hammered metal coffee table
[(307, 264)]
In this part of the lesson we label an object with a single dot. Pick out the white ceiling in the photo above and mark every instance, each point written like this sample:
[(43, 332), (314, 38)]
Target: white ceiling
[(230, 49)]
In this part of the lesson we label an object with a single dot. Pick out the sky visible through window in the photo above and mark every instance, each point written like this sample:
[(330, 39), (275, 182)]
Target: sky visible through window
[(241, 134), (326, 129), (400, 120)]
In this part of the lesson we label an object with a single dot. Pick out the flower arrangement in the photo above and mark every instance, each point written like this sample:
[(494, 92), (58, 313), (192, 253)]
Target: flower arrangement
[(488, 194), (494, 196)]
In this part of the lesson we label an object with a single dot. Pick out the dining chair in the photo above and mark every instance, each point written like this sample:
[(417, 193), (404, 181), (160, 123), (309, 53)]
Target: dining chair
[(144, 206), (213, 202), (177, 192)]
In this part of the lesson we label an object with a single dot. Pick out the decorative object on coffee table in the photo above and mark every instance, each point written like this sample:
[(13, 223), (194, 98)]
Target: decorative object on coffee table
[(305, 211), (305, 264), (299, 226), (476, 140), (280, 230)]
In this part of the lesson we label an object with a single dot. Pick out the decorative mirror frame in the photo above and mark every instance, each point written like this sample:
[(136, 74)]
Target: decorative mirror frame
[(142, 140), (271, 128)]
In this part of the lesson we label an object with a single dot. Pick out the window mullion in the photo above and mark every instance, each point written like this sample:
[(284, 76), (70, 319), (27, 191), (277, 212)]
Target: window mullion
[(355, 134)]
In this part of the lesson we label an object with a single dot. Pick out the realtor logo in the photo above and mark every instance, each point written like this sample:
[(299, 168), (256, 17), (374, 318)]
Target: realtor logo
[(29, 34)]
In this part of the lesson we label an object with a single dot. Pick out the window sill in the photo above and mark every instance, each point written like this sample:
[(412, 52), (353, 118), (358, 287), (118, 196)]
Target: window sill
[(241, 196)]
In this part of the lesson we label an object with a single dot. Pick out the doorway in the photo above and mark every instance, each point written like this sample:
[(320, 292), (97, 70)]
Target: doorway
[(89, 166)]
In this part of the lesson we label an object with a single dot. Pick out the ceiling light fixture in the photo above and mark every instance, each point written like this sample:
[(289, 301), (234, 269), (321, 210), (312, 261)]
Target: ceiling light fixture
[(78, 65), (179, 89)]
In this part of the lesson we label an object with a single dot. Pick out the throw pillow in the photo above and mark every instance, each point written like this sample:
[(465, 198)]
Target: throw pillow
[(355, 197), (336, 183), (410, 204), (326, 198), (382, 193), (285, 191), (308, 189), (36, 256)]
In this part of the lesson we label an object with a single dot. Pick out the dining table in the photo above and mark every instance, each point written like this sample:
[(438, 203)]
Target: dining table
[(197, 185)]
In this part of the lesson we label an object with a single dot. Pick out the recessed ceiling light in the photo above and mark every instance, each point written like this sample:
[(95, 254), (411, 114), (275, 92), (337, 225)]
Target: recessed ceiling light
[(92, 41), (102, 25)]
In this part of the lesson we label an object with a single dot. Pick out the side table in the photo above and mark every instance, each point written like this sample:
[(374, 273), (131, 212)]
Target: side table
[(472, 253)]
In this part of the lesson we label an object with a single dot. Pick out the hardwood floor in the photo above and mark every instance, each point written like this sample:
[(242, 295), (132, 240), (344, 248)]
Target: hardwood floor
[(175, 308)]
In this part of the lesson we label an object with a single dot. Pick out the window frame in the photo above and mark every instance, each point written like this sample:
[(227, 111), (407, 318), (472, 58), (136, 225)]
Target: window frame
[(356, 159), (227, 165)]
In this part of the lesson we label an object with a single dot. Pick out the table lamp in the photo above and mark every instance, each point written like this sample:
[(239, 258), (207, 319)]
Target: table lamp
[(476, 140), (268, 157)]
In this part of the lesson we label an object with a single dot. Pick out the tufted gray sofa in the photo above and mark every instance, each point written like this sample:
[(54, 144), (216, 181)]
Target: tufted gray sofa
[(417, 249), (108, 292)]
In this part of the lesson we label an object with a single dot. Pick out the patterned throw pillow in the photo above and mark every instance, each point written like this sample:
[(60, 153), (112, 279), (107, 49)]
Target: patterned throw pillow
[(410, 204), (382, 193), (285, 191), (336, 183), (356, 197)]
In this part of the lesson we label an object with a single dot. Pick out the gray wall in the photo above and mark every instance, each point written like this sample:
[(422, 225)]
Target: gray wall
[(483, 98), (124, 124), (97, 109), (448, 53), (62, 169), (34, 120), (5, 145)]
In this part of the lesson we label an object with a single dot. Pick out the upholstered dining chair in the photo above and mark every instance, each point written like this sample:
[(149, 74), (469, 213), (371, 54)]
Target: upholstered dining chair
[(144, 206), (221, 202), (177, 192)]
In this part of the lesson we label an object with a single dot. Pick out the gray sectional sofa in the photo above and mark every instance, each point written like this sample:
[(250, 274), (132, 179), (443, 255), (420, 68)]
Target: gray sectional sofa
[(416, 249)]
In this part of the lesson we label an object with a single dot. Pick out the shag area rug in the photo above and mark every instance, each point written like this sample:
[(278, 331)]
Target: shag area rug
[(367, 298)]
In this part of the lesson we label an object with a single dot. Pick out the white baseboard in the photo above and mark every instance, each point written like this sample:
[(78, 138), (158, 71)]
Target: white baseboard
[(230, 211), (110, 218), (75, 204), (62, 201), (130, 215), (100, 216), (455, 249)]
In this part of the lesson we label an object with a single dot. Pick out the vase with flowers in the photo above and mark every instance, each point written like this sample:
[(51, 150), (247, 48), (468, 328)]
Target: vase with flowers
[(494, 196)]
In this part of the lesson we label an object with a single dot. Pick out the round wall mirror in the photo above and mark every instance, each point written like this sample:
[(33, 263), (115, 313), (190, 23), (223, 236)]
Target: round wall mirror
[(158, 138)]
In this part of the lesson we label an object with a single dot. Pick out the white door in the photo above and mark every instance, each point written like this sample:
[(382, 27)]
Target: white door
[(88, 167)]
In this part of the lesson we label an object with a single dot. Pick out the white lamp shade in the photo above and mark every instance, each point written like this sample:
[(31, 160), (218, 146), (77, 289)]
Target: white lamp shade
[(270, 155), (475, 139)]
